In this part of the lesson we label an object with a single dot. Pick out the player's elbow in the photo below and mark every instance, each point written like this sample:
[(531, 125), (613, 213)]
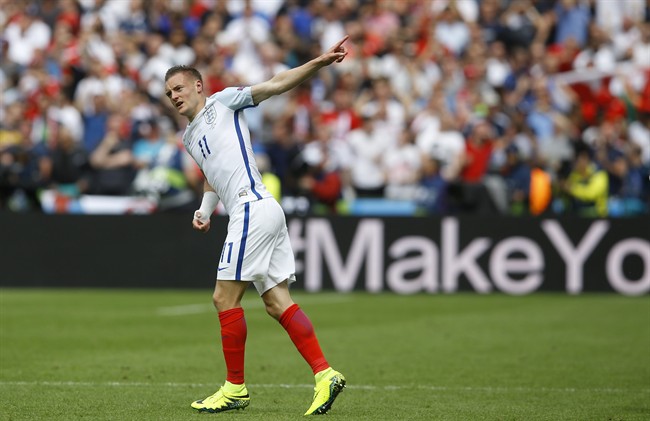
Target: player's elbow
[(265, 90)]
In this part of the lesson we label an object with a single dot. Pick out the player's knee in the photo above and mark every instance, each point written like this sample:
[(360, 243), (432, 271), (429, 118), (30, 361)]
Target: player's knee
[(274, 310), (215, 300), (221, 302)]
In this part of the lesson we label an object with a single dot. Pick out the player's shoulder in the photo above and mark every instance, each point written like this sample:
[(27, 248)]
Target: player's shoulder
[(231, 91), (234, 97)]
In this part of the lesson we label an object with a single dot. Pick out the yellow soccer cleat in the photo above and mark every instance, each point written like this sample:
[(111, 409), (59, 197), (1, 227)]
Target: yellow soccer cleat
[(328, 387), (223, 401)]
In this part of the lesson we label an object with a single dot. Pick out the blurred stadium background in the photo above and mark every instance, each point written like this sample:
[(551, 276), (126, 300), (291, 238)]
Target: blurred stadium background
[(468, 196), (443, 106)]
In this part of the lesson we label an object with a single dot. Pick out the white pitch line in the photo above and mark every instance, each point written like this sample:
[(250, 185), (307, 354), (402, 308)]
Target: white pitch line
[(495, 389), (187, 309)]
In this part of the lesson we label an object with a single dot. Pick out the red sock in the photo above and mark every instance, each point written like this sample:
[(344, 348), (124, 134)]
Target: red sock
[(233, 342), (301, 332)]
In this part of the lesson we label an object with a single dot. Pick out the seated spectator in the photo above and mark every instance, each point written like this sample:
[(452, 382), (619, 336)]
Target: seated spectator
[(148, 144), (95, 121), (112, 161), (320, 179), (136, 23), (517, 176), (489, 20), (627, 176), (160, 168), (437, 136), (26, 35), (497, 66), (520, 22), (470, 194), (385, 107), (542, 116), (322, 185), (68, 170), (432, 194), (451, 31), (20, 162), (368, 145), (340, 114), (242, 35), (478, 149), (586, 187), (612, 15), (557, 148), (402, 166), (599, 54), (152, 72), (282, 150), (10, 126), (572, 21), (98, 81), (639, 179), (177, 51)]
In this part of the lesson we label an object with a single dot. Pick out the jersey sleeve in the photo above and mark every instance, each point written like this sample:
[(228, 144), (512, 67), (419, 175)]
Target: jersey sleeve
[(235, 98)]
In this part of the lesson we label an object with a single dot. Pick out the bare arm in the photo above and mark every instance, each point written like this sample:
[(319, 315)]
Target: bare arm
[(207, 186), (289, 79), (102, 157)]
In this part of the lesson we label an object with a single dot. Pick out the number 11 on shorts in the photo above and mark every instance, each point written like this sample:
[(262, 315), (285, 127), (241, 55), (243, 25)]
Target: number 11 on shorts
[(229, 246)]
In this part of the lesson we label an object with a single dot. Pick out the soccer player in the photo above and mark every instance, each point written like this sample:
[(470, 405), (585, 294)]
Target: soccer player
[(257, 247)]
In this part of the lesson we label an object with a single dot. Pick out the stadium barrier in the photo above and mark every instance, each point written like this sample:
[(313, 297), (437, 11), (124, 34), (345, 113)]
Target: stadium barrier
[(401, 255)]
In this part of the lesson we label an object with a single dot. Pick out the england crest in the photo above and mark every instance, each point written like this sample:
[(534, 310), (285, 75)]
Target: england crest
[(210, 115)]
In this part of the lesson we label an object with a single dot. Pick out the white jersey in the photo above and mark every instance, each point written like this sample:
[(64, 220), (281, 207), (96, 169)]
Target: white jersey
[(219, 141)]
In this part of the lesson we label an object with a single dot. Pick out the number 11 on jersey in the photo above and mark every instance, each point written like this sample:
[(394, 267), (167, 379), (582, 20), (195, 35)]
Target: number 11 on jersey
[(204, 142)]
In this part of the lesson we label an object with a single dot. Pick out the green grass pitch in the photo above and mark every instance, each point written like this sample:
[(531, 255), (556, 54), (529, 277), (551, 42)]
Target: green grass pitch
[(145, 355)]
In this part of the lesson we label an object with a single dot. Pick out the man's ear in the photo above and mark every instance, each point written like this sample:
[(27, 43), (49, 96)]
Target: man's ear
[(199, 86)]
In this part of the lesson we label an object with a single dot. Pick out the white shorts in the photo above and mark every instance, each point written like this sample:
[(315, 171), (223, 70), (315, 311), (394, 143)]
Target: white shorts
[(257, 247)]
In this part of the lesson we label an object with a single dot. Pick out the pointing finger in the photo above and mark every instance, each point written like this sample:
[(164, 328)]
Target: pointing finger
[(338, 44)]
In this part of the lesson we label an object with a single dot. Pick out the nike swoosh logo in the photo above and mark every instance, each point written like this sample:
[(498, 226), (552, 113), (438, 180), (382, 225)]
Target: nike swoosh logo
[(220, 269)]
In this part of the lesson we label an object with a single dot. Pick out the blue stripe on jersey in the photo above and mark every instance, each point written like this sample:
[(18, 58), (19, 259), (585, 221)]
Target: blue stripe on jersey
[(242, 146), (242, 243)]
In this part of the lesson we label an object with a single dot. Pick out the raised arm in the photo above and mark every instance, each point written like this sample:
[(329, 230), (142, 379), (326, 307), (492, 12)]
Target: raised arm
[(289, 79)]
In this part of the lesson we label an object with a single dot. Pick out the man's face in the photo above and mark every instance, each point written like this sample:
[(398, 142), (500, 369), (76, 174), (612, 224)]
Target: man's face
[(184, 94)]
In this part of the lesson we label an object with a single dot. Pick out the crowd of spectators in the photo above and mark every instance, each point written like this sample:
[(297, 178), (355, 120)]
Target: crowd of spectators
[(455, 106)]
